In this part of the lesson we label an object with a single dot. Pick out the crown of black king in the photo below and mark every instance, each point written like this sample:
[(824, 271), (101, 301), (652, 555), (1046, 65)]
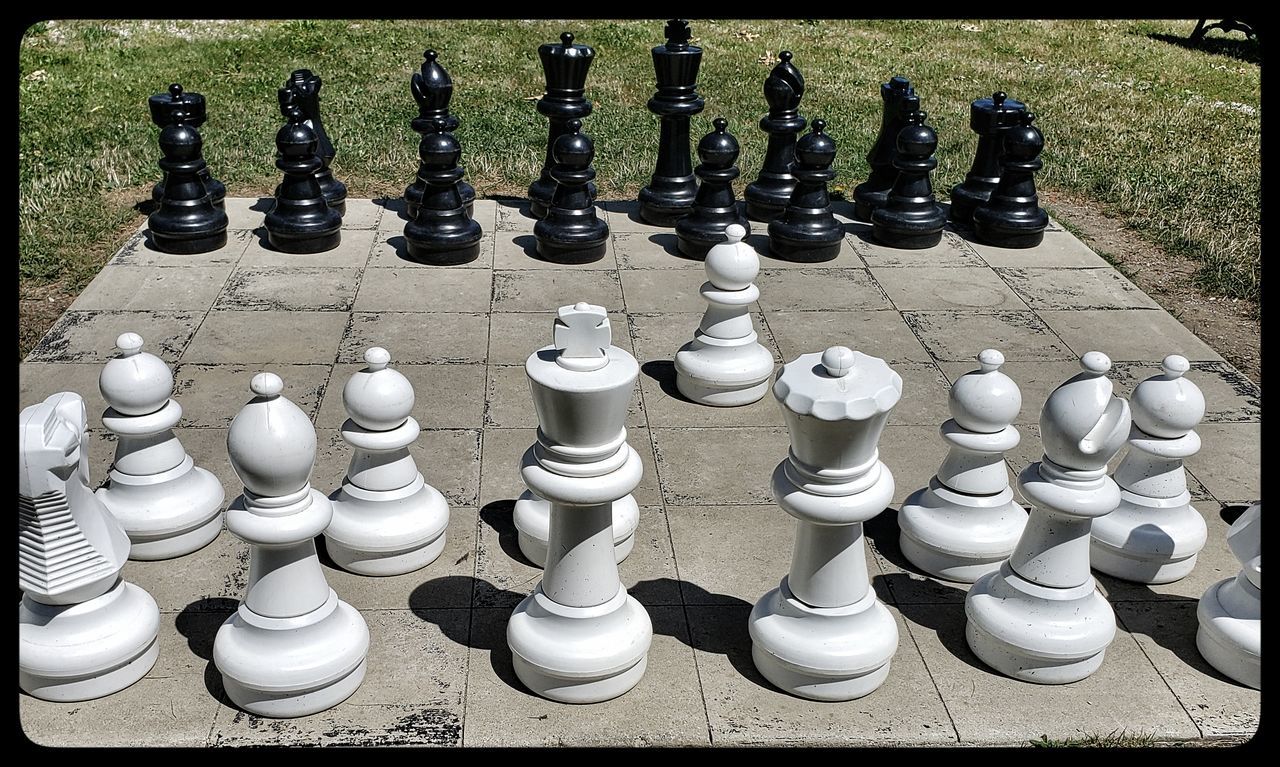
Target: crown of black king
[(784, 87), (676, 62), (565, 65)]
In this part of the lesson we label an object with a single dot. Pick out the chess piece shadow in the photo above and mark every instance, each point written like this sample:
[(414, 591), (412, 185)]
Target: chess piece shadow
[(146, 207), (497, 515), (263, 204), (947, 620), (199, 623), (760, 243), (670, 245), (395, 205), (529, 244), (401, 247), (512, 206), (1246, 50), (664, 373), (1230, 514), (628, 208)]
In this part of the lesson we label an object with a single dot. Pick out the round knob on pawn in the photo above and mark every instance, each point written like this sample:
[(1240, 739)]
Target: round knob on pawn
[(1168, 405), (1023, 142), (175, 91), (136, 382), (271, 442), (1096, 363), (295, 138), (917, 140), (985, 400), (179, 141), (815, 148), (719, 148), (732, 265), (439, 149), (378, 398), (837, 361), (573, 149)]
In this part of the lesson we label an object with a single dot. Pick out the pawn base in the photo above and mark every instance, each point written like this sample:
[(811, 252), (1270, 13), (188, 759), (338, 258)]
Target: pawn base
[(442, 256), (165, 518), (665, 208), (906, 240), (532, 519), (804, 250), (1147, 540), (1008, 234), (959, 537), (377, 533), (572, 252), (734, 395), (317, 242), (187, 246), (1230, 637)]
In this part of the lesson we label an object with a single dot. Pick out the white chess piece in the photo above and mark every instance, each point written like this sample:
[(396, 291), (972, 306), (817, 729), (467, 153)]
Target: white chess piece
[(724, 365), (83, 632), (823, 634), (579, 637), (965, 523), (386, 519), (168, 506), (1230, 612), (1155, 533), (1040, 618), (292, 647)]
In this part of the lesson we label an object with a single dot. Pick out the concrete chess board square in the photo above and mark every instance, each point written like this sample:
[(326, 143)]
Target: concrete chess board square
[(711, 540)]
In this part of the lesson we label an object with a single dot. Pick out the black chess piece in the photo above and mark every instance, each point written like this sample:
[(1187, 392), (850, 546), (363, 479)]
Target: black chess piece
[(442, 233), (767, 196), (1013, 217), (433, 90), (672, 188), (900, 100), (565, 66), (571, 233), (187, 220), (301, 221), (910, 217), (806, 230), (714, 207), (990, 118), (192, 105), (305, 87)]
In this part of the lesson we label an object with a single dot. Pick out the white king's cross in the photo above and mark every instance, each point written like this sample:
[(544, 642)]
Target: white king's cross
[(582, 331)]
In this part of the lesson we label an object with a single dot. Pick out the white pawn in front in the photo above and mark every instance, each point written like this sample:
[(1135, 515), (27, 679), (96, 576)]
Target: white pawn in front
[(1040, 618), (83, 632), (168, 506), (386, 519), (1230, 612), (1155, 533), (292, 647), (724, 365), (965, 523), (579, 637), (823, 634)]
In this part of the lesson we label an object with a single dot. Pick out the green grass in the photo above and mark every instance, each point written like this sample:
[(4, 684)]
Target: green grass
[(1116, 739), (1165, 137)]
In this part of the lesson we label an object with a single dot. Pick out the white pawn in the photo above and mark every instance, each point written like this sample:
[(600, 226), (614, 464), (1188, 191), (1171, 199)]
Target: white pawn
[(1155, 533), (386, 519), (167, 504), (823, 634), (724, 365), (1230, 612), (83, 632), (1040, 618), (292, 648), (579, 637), (965, 523)]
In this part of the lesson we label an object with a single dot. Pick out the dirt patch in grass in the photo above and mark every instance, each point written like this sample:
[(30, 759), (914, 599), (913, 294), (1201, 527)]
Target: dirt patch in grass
[(1230, 326)]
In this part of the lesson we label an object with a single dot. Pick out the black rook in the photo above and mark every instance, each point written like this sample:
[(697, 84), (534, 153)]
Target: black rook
[(990, 118), (900, 100), (162, 106)]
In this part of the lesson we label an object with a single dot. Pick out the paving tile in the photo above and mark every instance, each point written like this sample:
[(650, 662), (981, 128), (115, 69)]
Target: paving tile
[(140, 251), (449, 460), (1149, 334), (513, 215), (445, 396), (660, 335), (274, 288), (664, 290), (500, 474), (707, 467), (899, 579), (212, 395), (410, 289), (847, 258), (954, 336), (745, 709), (90, 336), (360, 214), (519, 250), (665, 406), (925, 393), (40, 380), (513, 336), (1125, 694), (543, 291), (820, 290), (211, 580), (654, 248), (507, 403), (913, 454), (624, 217), (665, 708), (390, 249), (208, 449), (267, 337), (146, 288), (879, 334), (951, 251), (352, 252), (1229, 396), (1059, 249), (954, 288), (417, 338), (247, 212), (1061, 288), (1230, 460)]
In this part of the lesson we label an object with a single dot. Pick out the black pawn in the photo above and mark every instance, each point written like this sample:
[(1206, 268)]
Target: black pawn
[(900, 100), (672, 188), (565, 66), (714, 208), (162, 106), (571, 233), (990, 118), (305, 88), (187, 220), (1013, 218), (910, 218), (767, 196), (442, 232), (806, 230), (301, 221), (433, 90)]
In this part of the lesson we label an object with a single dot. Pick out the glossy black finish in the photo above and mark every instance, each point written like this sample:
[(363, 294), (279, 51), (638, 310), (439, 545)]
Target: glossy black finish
[(442, 232), (767, 196), (806, 230), (301, 221), (1013, 218), (571, 233), (565, 66), (162, 106), (672, 188), (433, 90), (715, 207), (900, 100), (187, 220), (990, 118), (910, 218), (305, 89)]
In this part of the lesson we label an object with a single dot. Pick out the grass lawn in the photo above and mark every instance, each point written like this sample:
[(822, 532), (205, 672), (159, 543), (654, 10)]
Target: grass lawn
[(1163, 136)]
